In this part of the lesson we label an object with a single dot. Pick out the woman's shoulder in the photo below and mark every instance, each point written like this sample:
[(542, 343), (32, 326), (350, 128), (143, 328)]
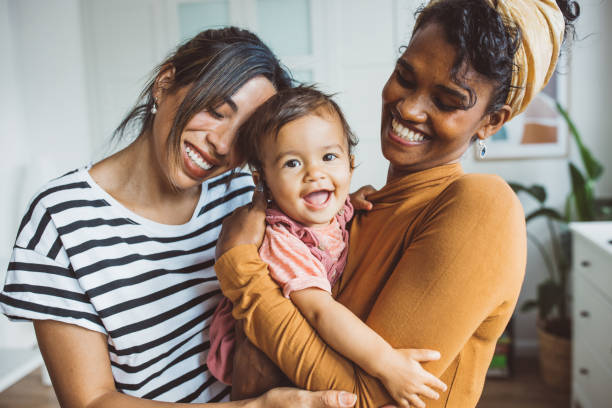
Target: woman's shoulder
[(55, 193), (483, 192), (481, 185)]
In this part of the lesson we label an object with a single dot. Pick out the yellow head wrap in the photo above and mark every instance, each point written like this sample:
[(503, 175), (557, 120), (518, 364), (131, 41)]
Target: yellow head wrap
[(542, 27)]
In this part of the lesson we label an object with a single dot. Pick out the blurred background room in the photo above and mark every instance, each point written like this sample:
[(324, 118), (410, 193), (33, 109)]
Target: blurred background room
[(72, 68)]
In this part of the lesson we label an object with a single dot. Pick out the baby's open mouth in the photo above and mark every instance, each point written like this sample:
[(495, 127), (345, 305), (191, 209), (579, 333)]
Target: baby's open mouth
[(317, 198)]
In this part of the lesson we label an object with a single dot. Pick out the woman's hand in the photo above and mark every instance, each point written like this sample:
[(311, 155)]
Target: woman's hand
[(407, 381), (359, 198), (295, 398), (246, 225)]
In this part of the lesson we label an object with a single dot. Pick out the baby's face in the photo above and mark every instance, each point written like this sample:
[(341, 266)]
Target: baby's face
[(307, 168)]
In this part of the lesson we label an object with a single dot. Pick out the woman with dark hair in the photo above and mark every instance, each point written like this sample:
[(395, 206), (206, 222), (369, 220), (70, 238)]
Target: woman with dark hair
[(439, 261), (114, 262)]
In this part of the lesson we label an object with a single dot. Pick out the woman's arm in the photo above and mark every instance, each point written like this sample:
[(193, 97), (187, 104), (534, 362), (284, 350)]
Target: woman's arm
[(78, 362), (276, 327), (469, 255), (399, 370)]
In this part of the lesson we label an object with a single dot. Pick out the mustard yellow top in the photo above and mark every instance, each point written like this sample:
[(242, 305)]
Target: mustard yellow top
[(438, 263)]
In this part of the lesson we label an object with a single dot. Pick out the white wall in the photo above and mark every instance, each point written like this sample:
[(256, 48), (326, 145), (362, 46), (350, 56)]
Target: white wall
[(12, 128), (45, 110), (43, 113)]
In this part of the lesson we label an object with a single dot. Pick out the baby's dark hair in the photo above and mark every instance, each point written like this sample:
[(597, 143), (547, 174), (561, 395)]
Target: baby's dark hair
[(284, 107), (485, 40)]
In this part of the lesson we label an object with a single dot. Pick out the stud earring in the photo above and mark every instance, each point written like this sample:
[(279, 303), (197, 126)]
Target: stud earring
[(482, 149), (154, 107)]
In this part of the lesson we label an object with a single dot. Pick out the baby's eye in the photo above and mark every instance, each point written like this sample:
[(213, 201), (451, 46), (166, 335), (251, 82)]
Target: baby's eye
[(330, 157), (292, 163)]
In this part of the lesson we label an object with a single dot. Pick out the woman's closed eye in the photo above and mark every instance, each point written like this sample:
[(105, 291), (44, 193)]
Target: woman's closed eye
[(446, 107), (215, 113), (449, 104), (403, 81)]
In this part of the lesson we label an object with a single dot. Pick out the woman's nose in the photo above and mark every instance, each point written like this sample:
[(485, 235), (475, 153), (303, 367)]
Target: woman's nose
[(221, 141), (413, 108)]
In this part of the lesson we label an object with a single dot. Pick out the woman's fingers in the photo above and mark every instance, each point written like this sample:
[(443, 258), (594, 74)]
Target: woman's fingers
[(296, 398), (246, 225), (333, 399), (359, 198)]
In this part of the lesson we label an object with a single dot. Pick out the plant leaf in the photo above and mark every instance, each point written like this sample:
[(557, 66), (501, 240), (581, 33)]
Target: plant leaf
[(529, 305), (549, 296), (568, 207), (593, 167), (583, 194), (545, 212), (536, 191)]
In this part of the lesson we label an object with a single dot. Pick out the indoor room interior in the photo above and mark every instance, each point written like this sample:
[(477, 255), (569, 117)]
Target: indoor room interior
[(72, 69)]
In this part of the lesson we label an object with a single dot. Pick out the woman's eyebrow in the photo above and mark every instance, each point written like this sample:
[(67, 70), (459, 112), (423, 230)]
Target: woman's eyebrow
[(463, 97), (468, 100), (405, 65), (231, 104)]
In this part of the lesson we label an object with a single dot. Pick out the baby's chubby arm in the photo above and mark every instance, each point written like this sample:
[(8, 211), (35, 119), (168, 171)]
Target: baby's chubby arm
[(399, 369)]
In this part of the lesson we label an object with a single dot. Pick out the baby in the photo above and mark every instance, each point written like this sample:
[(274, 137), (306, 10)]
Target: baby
[(299, 148)]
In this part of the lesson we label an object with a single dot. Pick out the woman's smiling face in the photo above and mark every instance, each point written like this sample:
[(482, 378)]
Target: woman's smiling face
[(207, 139), (429, 119)]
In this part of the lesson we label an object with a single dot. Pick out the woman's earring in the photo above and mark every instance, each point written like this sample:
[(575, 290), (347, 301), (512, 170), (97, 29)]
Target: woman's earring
[(482, 149), (154, 107)]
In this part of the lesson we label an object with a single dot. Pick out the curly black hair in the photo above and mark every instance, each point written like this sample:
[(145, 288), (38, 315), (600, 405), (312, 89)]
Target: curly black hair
[(485, 40)]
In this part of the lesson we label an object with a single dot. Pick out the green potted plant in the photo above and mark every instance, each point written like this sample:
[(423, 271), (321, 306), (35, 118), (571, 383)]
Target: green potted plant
[(552, 295)]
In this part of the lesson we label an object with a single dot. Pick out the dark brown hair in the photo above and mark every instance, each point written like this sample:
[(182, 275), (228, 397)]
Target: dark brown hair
[(215, 64), (485, 40), (284, 107)]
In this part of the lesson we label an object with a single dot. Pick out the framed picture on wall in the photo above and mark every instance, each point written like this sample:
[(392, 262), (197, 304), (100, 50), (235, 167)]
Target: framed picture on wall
[(539, 132)]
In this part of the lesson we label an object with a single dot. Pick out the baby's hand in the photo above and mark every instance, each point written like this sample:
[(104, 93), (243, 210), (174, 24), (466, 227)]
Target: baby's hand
[(359, 198), (406, 380)]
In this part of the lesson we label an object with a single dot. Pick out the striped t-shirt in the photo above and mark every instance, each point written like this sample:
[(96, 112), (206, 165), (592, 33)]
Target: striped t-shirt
[(81, 257)]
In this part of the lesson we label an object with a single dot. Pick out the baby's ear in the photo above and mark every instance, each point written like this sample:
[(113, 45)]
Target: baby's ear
[(260, 184), (256, 177), (352, 161)]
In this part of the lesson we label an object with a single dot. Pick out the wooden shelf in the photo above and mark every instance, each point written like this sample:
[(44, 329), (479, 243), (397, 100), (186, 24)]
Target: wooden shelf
[(16, 364)]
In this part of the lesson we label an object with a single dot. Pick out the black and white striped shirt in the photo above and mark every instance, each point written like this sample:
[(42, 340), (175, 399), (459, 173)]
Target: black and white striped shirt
[(83, 258)]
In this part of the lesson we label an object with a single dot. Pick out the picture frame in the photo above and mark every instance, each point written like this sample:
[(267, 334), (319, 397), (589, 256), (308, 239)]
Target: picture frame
[(538, 132)]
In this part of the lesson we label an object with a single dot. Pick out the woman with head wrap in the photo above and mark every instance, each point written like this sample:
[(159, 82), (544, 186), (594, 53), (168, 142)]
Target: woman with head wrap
[(439, 260)]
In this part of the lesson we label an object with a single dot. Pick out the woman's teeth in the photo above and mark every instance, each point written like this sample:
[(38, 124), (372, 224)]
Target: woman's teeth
[(406, 133), (197, 159)]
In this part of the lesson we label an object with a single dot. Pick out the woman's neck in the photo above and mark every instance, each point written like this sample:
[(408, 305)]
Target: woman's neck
[(134, 177), (397, 172)]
